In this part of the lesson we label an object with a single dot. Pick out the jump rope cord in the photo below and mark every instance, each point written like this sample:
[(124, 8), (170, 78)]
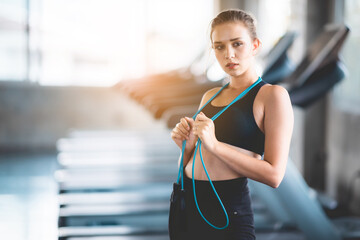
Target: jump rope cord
[(198, 145)]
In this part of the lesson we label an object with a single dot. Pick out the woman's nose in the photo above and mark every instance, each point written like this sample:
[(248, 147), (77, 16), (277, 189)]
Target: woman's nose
[(229, 53)]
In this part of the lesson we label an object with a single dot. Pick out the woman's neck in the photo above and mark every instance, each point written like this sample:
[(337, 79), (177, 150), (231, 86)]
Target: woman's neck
[(243, 81)]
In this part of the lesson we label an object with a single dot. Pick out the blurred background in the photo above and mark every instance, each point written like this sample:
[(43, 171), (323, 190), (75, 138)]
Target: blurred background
[(88, 88)]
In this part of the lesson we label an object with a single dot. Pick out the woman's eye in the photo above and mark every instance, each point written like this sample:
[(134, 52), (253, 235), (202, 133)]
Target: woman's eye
[(236, 44), (219, 47)]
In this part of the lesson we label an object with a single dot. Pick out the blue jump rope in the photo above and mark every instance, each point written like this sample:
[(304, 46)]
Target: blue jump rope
[(198, 145)]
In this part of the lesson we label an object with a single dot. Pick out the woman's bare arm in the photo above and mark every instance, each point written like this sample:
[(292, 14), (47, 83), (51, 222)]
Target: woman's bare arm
[(278, 127), (207, 95)]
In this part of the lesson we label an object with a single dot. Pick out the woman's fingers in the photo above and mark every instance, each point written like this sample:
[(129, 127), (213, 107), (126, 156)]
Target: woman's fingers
[(178, 135), (183, 129), (193, 124), (201, 122), (185, 125), (201, 117), (180, 130), (190, 121)]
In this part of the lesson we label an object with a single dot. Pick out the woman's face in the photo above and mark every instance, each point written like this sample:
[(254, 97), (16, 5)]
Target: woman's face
[(234, 48)]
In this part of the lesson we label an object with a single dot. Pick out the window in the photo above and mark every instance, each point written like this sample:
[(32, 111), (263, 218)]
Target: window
[(13, 41), (98, 42)]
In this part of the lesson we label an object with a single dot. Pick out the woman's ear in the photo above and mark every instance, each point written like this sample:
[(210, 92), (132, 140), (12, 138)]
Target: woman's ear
[(256, 46)]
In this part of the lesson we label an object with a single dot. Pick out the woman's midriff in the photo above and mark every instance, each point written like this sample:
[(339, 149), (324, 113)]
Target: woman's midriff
[(217, 168)]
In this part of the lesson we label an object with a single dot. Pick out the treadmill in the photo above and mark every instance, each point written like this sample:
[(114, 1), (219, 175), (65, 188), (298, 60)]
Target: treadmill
[(320, 69), (277, 63)]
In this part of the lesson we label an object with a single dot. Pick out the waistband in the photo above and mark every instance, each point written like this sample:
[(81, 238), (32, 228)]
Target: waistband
[(224, 186)]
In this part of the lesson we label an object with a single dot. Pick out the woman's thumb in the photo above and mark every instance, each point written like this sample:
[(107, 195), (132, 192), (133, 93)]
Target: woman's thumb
[(190, 121)]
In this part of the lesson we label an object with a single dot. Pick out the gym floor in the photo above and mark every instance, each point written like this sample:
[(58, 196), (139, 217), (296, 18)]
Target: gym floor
[(28, 203), (28, 199)]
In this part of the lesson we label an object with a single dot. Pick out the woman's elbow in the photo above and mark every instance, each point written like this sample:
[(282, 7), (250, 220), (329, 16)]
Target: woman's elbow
[(275, 184), (276, 179)]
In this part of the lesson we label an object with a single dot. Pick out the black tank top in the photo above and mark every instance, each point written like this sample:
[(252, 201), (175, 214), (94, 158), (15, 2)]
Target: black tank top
[(236, 125)]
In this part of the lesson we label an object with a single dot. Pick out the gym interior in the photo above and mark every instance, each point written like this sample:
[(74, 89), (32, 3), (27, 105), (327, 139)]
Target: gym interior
[(90, 91)]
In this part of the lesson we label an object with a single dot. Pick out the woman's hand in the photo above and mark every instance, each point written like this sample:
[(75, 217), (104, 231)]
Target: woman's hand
[(183, 131), (204, 128)]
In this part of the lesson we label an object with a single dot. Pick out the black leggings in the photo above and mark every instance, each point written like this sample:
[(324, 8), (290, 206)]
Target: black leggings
[(235, 196)]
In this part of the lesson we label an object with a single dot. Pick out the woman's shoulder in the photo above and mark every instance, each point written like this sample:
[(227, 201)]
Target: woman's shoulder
[(211, 92), (208, 94), (274, 97), (270, 92)]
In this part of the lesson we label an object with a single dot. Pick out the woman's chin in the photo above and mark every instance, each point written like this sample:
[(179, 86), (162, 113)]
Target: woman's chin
[(234, 73)]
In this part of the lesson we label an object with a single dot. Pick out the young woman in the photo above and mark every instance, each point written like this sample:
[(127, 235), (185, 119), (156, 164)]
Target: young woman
[(251, 139)]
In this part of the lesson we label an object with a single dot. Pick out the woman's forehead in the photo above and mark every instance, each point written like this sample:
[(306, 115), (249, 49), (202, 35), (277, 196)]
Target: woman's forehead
[(228, 31)]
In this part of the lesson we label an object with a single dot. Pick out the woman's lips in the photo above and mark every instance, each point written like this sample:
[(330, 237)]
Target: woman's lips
[(232, 65)]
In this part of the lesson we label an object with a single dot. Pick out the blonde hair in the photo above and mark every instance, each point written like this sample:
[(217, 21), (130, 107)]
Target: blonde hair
[(235, 15)]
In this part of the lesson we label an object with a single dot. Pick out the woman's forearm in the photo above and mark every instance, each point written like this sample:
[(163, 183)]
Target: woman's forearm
[(253, 168)]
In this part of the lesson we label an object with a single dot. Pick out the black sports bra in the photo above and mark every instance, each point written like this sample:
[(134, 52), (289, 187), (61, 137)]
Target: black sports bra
[(237, 125)]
